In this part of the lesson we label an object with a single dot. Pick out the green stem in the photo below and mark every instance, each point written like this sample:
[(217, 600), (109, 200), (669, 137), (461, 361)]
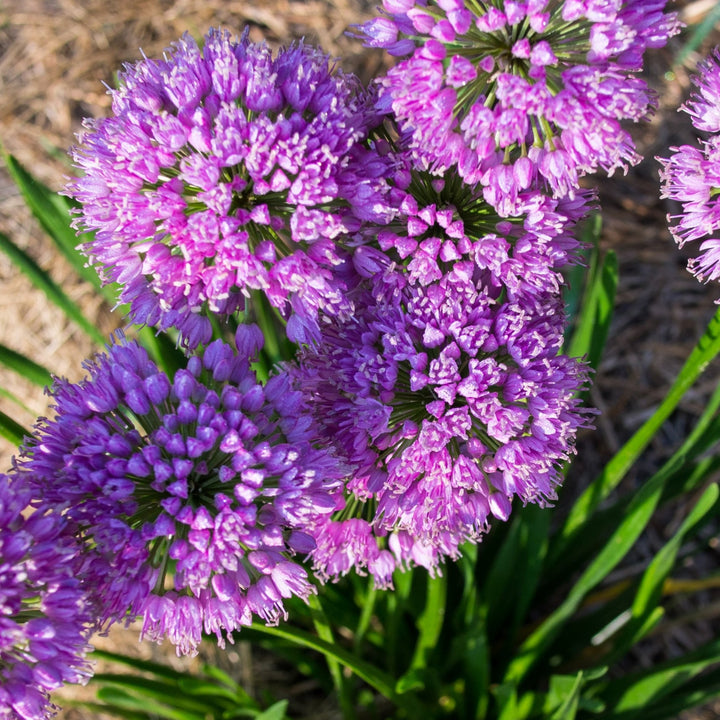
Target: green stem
[(373, 676), (324, 631), (365, 616)]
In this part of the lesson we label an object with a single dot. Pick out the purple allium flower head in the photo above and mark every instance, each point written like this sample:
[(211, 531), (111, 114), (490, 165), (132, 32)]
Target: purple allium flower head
[(449, 401), (45, 619), (225, 170), (439, 221), (691, 175), (192, 492), (516, 94)]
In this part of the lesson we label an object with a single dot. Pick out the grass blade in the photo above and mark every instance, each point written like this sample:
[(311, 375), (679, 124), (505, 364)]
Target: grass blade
[(11, 430), (44, 282), (53, 212), (26, 367), (704, 351)]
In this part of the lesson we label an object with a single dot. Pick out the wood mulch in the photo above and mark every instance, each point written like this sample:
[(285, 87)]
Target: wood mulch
[(55, 56)]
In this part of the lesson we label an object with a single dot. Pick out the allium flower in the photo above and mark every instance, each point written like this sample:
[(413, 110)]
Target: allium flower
[(44, 616), (519, 93), (449, 401), (691, 175), (222, 171), (192, 493), (439, 221)]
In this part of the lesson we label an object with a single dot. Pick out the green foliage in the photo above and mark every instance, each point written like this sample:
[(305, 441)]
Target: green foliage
[(152, 691)]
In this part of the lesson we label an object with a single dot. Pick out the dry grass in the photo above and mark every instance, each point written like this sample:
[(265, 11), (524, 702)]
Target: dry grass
[(55, 56)]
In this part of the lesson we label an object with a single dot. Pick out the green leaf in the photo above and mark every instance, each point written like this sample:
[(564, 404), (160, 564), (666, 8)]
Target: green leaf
[(683, 476), (429, 622), (124, 700), (632, 696), (638, 513), (53, 212), (568, 709), (22, 365), (372, 675), (509, 706), (191, 685), (15, 399), (324, 630), (507, 702), (274, 712), (476, 672), (516, 570), (650, 590), (702, 30), (413, 679), (106, 709), (702, 690), (138, 664), (44, 282), (534, 528), (596, 312), (704, 351), (11, 430), (579, 276), (159, 689)]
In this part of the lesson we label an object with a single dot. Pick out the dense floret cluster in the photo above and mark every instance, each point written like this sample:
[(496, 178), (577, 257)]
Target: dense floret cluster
[(45, 617), (448, 400), (208, 473), (404, 250), (225, 170), (517, 95), (691, 175)]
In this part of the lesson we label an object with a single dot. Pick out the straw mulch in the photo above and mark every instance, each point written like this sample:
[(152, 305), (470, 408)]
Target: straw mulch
[(55, 56)]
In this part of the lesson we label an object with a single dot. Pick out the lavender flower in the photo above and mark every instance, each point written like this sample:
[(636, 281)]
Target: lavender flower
[(223, 171), (44, 616), (517, 94), (191, 493), (449, 401), (691, 175)]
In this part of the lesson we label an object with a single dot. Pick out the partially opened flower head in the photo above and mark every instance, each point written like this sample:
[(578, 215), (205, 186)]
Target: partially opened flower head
[(691, 175), (192, 493), (519, 94), (224, 170), (45, 618)]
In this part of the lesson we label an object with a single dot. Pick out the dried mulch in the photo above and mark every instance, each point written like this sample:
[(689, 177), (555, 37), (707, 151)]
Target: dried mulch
[(55, 56)]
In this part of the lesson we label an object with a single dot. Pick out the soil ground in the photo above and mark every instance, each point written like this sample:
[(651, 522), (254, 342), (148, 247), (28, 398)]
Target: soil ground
[(55, 56)]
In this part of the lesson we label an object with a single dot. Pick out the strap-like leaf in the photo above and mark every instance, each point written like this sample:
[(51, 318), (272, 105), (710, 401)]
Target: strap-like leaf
[(24, 366), (53, 212), (638, 513), (651, 586), (12, 430), (706, 349), (44, 282), (596, 312)]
